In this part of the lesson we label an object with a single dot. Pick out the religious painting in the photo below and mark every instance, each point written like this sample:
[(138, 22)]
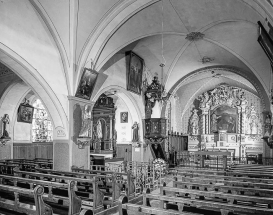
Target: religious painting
[(87, 83), (123, 117), (134, 72), (224, 118), (266, 42), (25, 113)]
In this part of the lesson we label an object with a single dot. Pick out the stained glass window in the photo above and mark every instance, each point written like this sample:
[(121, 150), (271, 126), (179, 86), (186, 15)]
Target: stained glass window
[(41, 124)]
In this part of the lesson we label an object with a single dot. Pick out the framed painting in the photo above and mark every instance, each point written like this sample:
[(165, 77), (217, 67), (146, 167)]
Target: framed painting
[(25, 113), (265, 42), (134, 71), (224, 118), (87, 83), (124, 117)]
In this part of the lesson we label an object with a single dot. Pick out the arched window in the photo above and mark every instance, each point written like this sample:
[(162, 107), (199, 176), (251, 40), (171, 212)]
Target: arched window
[(41, 124)]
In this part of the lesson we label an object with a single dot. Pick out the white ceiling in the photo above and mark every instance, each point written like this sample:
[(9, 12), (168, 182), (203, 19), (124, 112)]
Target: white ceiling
[(97, 30)]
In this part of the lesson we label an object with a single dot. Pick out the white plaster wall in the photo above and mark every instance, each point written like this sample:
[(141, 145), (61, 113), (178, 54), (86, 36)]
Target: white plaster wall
[(124, 131), (22, 132), (34, 44)]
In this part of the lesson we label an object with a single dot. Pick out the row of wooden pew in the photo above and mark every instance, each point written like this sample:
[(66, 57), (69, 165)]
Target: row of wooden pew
[(7, 165), (94, 192), (240, 190)]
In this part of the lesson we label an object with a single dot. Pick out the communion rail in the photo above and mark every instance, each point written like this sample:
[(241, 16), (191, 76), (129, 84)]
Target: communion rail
[(216, 162)]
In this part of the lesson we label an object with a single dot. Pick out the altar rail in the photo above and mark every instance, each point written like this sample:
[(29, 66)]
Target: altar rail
[(216, 162), (146, 174)]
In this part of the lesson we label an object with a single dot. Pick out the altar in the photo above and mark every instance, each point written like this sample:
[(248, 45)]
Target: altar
[(226, 120)]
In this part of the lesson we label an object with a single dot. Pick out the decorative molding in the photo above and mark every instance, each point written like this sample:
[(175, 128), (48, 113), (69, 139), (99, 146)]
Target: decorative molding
[(5, 71), (82, 142), (194, 138), (222, 95), (254, 148), (83, 101), (219, 69), (254, 137), (253, 124), (194, 36), (206, 59)]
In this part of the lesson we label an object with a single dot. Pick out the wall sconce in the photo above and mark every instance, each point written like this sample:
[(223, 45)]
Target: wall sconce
[(5, 136)]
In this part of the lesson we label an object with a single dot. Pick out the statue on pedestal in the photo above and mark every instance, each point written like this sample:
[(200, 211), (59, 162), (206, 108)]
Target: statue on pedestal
[(5, 121), (86, 122), (135, 132), (194, 123)]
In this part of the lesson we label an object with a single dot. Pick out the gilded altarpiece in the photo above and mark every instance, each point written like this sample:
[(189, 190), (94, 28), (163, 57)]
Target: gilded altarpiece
[(226, 120)]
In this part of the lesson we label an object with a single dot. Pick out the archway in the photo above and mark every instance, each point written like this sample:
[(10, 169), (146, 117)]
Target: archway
[(127, 113), (38, 85)]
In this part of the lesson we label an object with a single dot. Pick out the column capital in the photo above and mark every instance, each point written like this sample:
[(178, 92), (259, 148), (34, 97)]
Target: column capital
[(81, 101)]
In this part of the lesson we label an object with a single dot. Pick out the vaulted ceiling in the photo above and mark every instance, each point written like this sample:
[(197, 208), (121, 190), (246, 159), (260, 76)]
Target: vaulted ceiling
[(78, 32)]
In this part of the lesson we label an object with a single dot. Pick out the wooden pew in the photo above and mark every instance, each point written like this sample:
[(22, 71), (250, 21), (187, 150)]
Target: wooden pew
[(260, 174), (22, 165), (126, 179), (7, 168), (250, 166), (251, 169), (39, 208), (28, 164), (51, 187), (108, 183), (254, 180), (223, 188), (91, 199), (231, 198), (234, 182), (205, 201), (201, 171), (126, 208)]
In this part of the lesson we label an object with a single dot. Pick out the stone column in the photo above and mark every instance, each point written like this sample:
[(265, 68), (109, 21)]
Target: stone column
[(205, 121), (69, 154), (111, 130)]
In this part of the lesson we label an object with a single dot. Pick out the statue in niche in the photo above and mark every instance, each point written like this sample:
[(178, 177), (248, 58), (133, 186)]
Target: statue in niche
[(86, 122), (267, 127), (194, 123), (5, 121), (253, 127), (99, 129), (252, 124), (214, 118), (135, 132)]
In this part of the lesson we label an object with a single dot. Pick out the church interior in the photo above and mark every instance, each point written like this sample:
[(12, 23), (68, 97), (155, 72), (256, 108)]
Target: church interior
[(136, 107)]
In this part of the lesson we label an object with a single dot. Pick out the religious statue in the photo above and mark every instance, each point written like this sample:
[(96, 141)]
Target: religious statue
[(86, 122), (135, 132), (5, 121), (194, 123), (99, 130), (267, 126)]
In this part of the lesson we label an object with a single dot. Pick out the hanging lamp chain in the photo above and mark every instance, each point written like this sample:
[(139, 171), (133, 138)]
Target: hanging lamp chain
[(163, 63)]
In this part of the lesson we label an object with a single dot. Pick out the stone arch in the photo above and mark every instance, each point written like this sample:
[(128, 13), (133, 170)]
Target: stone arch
[(11, 100), (248, 76), (37, 84), (128, 100)]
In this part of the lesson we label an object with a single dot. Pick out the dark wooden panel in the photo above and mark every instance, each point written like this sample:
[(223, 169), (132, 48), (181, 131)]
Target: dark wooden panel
[(124, 151), (32, 150)]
